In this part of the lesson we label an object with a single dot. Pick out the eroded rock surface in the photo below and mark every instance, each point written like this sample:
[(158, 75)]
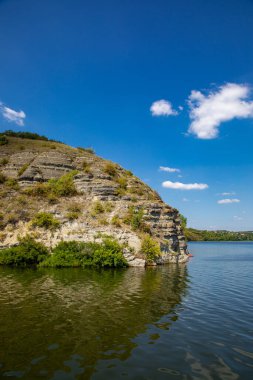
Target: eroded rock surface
[(119, 193)]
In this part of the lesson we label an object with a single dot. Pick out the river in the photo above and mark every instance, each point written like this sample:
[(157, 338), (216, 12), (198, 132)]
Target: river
[(193, 321)]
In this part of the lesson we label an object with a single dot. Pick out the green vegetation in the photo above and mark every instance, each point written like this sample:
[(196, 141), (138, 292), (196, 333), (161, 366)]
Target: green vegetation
[(86, 167), (79, 254), (64, 186), (150, 249), (61, 187), (110, 169), (24, 135), (12, 183), (116, 221), (183, 221), (74, 211), (28, 252), (97, 208), (87, 150), (107, 254), (3, 139), (192, 234), (135, 218), (72, 215), (45, 220), (2, 178), (23, 169), (4, 161)]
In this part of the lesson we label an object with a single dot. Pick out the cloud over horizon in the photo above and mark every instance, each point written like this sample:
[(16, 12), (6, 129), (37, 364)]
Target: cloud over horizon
[(184, 186), (168, 169), (228, 201), (207, 112), (12, 116), (162, 108)]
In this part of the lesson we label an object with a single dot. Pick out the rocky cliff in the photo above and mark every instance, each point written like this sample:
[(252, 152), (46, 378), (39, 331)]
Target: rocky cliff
[(86, 195)]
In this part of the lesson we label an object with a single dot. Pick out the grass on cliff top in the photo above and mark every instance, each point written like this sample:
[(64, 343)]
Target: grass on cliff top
[(107, 254)]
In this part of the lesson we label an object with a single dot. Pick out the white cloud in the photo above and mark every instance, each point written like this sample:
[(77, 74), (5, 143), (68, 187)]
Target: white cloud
[(184, 186), (207, 112), (227, 194), (237, 217), (169, 170), (185, 200), (162, 108), (12, 116), (228, 200)]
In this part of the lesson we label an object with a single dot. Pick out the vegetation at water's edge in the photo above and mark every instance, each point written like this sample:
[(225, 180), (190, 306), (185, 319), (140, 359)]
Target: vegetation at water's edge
[(107, 254), (192, 234)]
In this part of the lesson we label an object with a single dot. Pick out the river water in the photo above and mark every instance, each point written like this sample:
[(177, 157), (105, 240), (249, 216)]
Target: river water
[(192, 321)]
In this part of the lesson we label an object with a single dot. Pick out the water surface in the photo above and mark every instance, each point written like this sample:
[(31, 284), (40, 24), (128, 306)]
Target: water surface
[(192, 321)]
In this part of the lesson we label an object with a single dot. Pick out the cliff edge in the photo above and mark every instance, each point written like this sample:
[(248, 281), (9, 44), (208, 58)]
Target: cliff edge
[(55, 192)]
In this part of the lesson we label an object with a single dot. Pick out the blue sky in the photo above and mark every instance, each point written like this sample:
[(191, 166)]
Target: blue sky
[(88, 73)]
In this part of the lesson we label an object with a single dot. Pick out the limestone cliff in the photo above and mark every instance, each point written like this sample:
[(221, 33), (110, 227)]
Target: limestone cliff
[(107, 199)]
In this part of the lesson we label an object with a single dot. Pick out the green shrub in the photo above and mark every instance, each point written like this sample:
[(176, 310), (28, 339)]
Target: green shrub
[(110, 169), (45, 220), (3, 140), (64, 186), (116, 221), (4, 161), (129, 173), (22, 200), (108, 206), (97, 208), (72, 215), (23, 169), (2, 178), (74, 207), (55, 188), (150, 249), (121, 190), (12, 218), (103, 222), (79, 254), (28, 252), (88, 150), (134, 217), (86, 166), (12, 183)]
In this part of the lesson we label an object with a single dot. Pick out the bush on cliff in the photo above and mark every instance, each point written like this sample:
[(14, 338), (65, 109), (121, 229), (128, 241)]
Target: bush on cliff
[(150, 249), (27, 253), (45, 220), (79, 254), (55, 188)]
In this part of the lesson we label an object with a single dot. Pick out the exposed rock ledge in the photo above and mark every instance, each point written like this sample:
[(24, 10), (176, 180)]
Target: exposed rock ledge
[(38, 163)]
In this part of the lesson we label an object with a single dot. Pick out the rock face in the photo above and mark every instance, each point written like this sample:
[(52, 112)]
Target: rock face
[(109, 200)]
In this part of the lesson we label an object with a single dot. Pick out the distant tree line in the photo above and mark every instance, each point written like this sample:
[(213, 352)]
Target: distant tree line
[(192, 234)]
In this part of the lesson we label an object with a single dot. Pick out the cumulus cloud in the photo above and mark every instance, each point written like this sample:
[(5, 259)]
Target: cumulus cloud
[(169, 170), (228, 200), (12, 116), (207, 112), (162, 108), (184, 186)]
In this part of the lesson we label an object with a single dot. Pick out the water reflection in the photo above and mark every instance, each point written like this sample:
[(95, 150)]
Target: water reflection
[(58, 324)]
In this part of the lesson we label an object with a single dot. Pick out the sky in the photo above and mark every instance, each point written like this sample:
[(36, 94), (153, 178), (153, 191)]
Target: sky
[(164, 88)]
